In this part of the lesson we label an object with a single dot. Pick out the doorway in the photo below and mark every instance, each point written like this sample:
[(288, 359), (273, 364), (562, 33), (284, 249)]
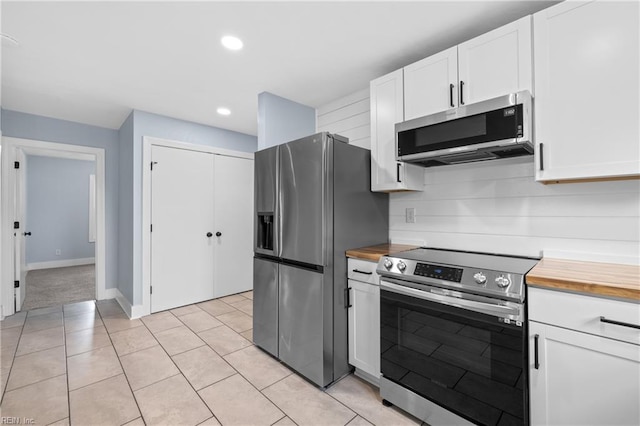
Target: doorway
[(14, 259), (58, 248)]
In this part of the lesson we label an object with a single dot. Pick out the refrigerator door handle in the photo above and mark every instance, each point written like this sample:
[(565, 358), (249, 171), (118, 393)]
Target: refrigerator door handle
[(277, 220)]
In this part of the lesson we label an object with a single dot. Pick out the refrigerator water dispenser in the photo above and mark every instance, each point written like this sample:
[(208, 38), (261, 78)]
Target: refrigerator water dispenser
[(265, 231)]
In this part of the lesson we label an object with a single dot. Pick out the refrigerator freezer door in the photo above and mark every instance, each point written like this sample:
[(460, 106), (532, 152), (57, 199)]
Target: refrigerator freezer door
[(265, 305), (301, 329), (266, 202), (302, 200)]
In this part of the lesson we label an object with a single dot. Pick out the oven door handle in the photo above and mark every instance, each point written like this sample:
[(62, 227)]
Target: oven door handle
[(500, 309)]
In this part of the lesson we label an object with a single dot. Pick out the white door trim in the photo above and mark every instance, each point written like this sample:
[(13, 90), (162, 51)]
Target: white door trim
[(147, 142), (10, 148)]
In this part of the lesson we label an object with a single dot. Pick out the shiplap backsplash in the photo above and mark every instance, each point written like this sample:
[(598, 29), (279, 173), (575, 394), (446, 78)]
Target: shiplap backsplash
[(498, 207), (348, 116)]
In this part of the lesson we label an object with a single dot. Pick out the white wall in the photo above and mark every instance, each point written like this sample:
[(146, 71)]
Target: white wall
[(498, 207), (348, 116)]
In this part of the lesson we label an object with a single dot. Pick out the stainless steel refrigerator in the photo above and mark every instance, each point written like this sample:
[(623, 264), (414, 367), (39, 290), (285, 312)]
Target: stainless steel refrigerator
[(313, 201)]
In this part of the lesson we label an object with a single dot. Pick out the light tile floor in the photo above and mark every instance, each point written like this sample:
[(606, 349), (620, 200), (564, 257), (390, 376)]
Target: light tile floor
[(88, 364)]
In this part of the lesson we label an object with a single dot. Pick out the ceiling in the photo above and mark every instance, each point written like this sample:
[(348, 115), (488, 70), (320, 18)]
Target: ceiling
[(93, 62)]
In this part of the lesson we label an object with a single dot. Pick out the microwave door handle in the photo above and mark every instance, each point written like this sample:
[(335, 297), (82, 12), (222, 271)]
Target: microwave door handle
[(451, 95)]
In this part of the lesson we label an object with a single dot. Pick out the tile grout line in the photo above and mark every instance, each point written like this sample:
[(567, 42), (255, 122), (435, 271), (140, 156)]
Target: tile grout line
[(181, 374), (13, 358), (66, 364), (122, 367), (248, 381)]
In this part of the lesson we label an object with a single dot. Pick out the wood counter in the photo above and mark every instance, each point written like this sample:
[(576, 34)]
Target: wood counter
[(598, 279), (374, 253)]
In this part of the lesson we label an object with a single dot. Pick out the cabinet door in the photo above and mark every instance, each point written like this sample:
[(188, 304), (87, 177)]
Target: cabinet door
[(431, 85), (387, 174), (496, 63), (364, 327), (233, 233), (582, 379), (586, 78)]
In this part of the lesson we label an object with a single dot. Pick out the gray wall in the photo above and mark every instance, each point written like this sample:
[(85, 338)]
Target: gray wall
[(29, 126), (123, 163), (281, 120), (147, 124), (57, 209)]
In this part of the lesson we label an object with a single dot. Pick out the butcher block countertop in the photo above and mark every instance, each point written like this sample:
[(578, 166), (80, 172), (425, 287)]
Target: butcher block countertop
[(598, 279), (374, 253)]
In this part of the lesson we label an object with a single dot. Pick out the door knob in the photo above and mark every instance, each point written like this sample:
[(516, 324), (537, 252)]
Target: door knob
[(27, 233), (209, 234), (218, 234)]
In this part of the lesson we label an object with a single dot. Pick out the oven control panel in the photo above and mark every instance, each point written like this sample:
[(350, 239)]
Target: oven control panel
[(439, 272), (488, 282)]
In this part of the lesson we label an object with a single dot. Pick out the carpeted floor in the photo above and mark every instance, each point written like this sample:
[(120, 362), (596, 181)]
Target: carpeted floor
[(57, 286)]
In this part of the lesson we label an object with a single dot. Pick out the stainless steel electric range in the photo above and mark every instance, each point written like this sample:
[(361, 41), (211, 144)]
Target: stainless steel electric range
[(453, 333)]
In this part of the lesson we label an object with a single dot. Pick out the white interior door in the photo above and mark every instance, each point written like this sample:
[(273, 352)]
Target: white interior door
[(234, 222), (20, 267), (182, 217)]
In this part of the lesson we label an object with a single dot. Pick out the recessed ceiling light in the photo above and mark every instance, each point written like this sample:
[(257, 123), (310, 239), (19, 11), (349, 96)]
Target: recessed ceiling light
[(223, 111), (231, 42)]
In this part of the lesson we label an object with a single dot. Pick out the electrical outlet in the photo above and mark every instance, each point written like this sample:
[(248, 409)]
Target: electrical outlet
[(410, 215), (58, 252)]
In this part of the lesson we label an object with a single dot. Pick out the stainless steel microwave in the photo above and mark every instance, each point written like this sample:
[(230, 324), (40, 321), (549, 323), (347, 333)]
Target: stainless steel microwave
[(495, 128)]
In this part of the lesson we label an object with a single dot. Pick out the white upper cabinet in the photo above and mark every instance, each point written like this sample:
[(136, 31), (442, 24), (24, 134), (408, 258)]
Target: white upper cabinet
[(387, 174), (431, 84), (496, 63), (491, 65), (586, 57)]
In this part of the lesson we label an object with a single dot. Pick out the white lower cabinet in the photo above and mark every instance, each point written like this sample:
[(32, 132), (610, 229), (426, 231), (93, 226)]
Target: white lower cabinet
[(577, 377), (364, 319)]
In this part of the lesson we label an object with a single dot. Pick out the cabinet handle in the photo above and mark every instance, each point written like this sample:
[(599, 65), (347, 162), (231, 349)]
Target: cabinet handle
[(536, 362), (347, 298), (624, 324), (451, 95), (362, 272), (461, 90), (541, 156), (398, 172)]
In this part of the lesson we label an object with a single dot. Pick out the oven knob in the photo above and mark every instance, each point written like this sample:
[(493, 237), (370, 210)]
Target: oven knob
[(480, 277), (388, 263), (502, 281), (401, 266)]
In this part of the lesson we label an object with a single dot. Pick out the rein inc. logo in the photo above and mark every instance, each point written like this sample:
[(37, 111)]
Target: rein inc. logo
[(17, 421)]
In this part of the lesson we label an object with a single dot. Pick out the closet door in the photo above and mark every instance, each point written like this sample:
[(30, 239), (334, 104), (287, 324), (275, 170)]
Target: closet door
[(182, 218), (233, 234)]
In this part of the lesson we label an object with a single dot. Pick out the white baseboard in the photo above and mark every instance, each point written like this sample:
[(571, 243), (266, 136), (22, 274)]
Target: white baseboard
[(111, 293), (60, 263), (132, 311)]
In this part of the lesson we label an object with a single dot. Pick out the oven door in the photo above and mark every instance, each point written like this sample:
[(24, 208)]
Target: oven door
[(456, 350)]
